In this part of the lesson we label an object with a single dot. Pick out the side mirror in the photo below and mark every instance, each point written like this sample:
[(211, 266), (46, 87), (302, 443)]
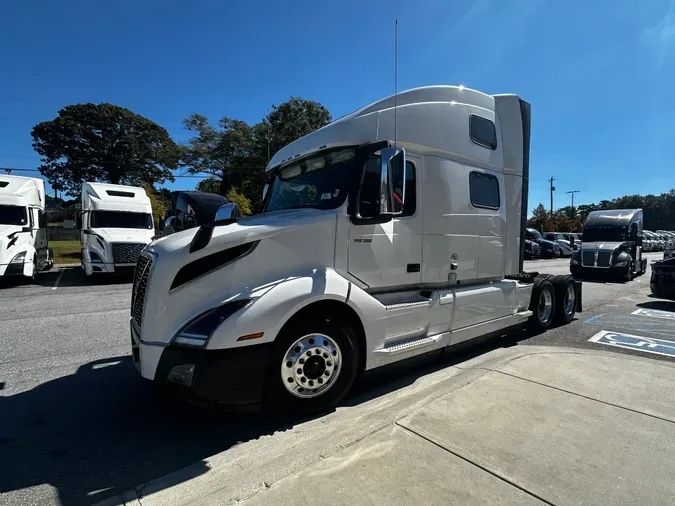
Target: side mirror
[(265, 189), (169, 225), (392, 181), (639, 240), (78, 220), (228, 211), (572, 240)]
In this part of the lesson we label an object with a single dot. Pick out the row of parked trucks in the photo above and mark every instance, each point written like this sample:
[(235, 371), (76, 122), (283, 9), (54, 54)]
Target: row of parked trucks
[(115, 224), (395, 231)]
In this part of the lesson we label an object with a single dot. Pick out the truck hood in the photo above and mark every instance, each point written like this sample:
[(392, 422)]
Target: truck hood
[(293, 243), (137, 235), (546, 243), (603, 245), (253, 228), (6, 230)]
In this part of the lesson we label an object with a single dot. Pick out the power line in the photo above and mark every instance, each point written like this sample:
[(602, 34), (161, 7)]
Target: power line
[(193, 176)]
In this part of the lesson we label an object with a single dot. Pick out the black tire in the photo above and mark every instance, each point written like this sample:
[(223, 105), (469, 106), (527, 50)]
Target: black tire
[(537, 322), (563, 294), (277, 399)]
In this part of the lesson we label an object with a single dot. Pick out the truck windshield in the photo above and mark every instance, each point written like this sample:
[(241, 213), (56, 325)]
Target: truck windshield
[(319, 182), (594, 234), (120, 219), (13, 215)]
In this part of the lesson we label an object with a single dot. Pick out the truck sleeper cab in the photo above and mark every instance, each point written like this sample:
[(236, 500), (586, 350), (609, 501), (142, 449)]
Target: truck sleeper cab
[(371, 248), (116, 224), (611, 246), (24, 249)]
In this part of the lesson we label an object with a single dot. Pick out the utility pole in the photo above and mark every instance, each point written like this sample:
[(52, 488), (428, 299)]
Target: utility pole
[(552, 190), (572, 192)]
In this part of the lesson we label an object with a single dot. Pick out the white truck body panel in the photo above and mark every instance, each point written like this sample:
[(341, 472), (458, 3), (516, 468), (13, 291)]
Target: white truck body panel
[(123, 230), (416, 283), (23, 233)]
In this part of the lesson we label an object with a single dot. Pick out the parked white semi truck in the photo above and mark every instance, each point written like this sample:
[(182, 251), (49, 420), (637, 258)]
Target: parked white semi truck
[(116, 224), (384, 235), (24, 248)]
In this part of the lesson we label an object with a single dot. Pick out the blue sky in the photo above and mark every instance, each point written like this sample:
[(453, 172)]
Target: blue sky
[(599, 74)]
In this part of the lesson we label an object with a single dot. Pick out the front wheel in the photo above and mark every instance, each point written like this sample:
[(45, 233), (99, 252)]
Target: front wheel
[(312, 367)]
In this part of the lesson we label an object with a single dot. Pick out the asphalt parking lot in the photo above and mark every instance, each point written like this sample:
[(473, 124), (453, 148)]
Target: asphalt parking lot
[(79, 426)]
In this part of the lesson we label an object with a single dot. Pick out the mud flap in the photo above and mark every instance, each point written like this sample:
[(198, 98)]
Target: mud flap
[(578, 290)]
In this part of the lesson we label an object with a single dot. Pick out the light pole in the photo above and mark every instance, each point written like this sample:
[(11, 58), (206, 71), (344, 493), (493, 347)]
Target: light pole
[(572, 192)]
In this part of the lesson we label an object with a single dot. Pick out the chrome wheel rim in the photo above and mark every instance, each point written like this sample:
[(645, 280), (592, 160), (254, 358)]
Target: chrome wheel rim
[(545, 306), (311, 365), (570, 299)]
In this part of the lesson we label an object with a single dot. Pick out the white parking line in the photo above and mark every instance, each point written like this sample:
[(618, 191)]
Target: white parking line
[(58, 280)]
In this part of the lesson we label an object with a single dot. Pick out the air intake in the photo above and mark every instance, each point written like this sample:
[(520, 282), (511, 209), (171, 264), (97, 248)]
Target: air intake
[(117, 193)]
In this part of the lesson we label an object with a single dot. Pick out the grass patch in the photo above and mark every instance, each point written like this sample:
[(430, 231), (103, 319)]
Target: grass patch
[(66, 252)]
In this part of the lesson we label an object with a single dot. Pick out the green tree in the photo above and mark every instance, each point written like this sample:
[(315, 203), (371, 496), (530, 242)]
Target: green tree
[(236, 154), (106, 143), (209, 185), (289, 121), (226, 152), (541, 219)]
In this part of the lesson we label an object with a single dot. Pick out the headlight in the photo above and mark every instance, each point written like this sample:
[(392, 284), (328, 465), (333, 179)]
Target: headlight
[(197, 331), (95, 257), (574, 261), (623, 263), (19, 259)]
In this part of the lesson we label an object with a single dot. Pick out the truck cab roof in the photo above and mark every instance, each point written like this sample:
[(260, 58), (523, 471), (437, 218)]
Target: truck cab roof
[(114, 197), (22, 191), (620, 218)]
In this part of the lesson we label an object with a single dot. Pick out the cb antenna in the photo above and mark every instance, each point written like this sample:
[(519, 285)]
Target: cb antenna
[(395, 76)]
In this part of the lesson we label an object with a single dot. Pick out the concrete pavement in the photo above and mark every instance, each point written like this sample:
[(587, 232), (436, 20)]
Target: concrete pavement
[(519, 425)]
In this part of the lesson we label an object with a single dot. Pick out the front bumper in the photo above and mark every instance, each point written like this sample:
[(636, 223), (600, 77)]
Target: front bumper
[(597, 272), (232, 378), (15, 269)]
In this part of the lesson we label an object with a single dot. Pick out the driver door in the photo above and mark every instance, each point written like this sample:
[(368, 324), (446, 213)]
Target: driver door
[(387, 254)]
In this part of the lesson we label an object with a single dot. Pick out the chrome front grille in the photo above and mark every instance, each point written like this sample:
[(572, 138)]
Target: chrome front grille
[(593, 258), (588, 258), (138, 291), (604, 258), (126, 253)]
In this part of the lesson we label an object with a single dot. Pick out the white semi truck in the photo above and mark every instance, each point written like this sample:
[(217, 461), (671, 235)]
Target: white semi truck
[(24, 249), (389, 233), (116, 224)]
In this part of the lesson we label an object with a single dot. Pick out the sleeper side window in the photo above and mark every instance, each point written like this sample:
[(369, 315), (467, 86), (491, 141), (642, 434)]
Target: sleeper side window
[(484, 190), (482, 132)]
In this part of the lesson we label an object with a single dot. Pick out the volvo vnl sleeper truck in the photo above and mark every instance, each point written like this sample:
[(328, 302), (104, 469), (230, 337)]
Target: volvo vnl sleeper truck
[(116, 224), (24, 249), (383, 236)]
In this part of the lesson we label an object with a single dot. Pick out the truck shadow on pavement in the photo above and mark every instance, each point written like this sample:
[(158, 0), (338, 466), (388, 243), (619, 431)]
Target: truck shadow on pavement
[(102, 431), (660, 304)]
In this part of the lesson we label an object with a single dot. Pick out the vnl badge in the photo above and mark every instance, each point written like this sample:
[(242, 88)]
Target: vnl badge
[(595, 257)]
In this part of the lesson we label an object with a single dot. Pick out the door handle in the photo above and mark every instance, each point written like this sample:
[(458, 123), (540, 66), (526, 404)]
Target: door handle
[(413, 268)]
